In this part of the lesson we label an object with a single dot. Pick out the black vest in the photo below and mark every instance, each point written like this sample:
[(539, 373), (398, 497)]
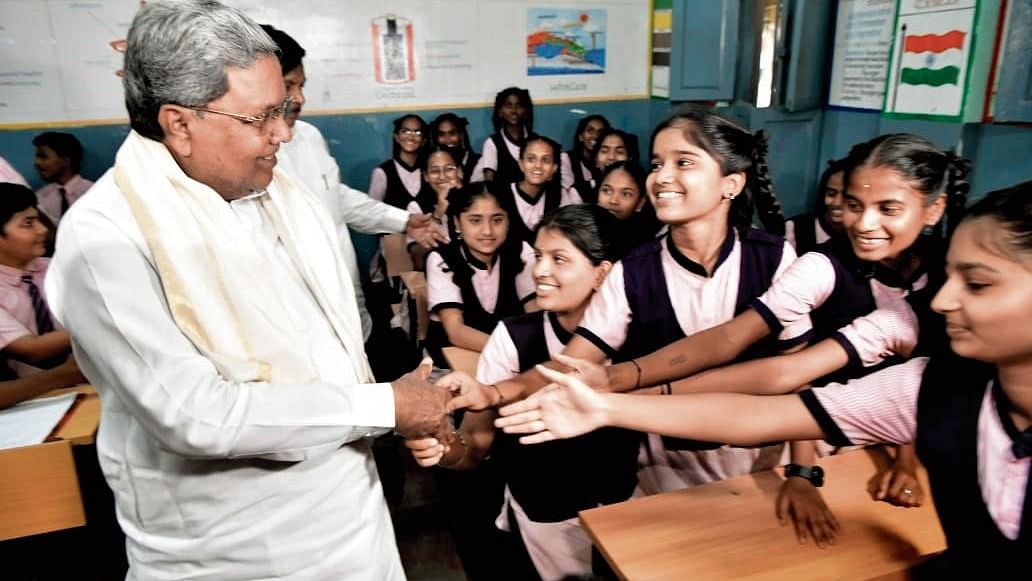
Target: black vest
[(398, 195), (469, 163), (948, 407), (550, 197), (852, 297), (587, 192), (655, 325), (508, 169), (805, 233), (473, 313), (555, 480)]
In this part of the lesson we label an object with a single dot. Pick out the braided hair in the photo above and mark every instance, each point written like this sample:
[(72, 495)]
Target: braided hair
[(736, 150)]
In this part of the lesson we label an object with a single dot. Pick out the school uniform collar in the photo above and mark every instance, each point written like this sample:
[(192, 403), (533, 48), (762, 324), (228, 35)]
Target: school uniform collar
[(517, 143), (1021, 440), (561, 333), (925, 247), (474, 261), (527, 197), (694, 267), (12, 276), (405, 166)]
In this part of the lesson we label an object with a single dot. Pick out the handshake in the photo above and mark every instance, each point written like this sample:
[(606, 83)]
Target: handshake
[(421, 408)]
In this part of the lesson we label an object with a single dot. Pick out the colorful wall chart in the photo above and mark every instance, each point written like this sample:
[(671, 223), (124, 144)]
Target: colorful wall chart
[(566, 42), (58, 58), (931, 57)]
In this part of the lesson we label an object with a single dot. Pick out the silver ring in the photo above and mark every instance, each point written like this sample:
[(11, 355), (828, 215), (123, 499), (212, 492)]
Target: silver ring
[(908, 491)]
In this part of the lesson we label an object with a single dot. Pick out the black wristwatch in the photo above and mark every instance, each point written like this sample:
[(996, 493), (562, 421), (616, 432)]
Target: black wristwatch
[(815, 474)]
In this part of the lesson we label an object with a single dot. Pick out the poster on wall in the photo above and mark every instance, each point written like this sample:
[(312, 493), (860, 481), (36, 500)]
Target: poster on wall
[(930, 59), (566, 42), (863, 42), (58, 63), (662, 42)]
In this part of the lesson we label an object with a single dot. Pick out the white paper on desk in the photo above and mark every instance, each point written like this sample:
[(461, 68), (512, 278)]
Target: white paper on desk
[(30, 422)]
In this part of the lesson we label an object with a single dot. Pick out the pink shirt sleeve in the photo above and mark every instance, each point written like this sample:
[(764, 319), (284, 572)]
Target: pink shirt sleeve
[(803, 286), (440, 288), (499, 360), (608, 316), (877, 408), (525, 287)]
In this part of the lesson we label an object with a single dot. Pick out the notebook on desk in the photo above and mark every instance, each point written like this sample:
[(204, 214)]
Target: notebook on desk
[(30, 422)]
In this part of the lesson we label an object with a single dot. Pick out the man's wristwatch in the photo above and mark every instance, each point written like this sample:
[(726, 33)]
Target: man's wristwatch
[(815, 474)]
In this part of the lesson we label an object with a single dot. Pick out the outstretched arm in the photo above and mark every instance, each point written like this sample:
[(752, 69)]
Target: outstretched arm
[(572, 408), (709, 348)]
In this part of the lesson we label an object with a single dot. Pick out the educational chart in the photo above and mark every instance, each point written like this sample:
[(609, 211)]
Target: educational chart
[(863, 41), (566, 42), (59, 58), (930, 58)]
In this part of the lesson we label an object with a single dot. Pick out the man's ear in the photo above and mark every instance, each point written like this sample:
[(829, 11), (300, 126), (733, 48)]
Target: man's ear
[(175, 122)]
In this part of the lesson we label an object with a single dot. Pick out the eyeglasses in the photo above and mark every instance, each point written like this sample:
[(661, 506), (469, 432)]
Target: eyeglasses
[(260, 122), (406, 131), (436, 171)]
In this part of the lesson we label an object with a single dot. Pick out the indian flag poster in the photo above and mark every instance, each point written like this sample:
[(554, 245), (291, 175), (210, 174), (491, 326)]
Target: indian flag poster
[(930, 58)]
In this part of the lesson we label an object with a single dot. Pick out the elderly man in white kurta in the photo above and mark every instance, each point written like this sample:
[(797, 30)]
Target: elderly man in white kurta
[(209, 304)]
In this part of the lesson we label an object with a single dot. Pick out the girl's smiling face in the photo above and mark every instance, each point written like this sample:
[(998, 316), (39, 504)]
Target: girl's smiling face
[(449, 135), (483, 227), (686, 183), (538, 163), (442, 171), (589, 135), (987, 294), (565, 276), (613, 149), (410, 135), (833, 199), (884, 214), (620, 195)]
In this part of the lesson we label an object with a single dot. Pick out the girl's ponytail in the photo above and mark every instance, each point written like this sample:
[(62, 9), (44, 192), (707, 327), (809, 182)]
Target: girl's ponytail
[(956, 190), (768, 208)]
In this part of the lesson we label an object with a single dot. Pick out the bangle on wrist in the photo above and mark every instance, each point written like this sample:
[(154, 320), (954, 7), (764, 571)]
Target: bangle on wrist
[(667, 389), (501, 398), (461, 438), (637, 381)]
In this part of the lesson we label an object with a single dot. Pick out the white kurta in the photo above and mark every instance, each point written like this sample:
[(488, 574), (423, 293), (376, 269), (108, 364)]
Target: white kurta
[(194, 460), (307, 159)]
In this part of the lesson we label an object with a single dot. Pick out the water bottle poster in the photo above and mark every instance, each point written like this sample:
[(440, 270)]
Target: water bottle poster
[(566, 41)]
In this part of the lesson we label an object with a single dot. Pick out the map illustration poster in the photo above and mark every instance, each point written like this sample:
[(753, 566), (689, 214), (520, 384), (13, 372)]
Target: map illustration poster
[(565, 41)]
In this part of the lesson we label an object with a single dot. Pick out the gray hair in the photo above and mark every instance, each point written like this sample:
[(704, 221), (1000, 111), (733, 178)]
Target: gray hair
[(178, 51)]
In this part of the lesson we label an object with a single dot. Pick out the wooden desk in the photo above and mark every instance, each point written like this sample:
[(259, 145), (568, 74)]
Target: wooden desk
[(727, 530), (39, 487), (460, 359), (396, 255)]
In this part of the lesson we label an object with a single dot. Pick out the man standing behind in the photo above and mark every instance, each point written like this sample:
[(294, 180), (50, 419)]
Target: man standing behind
[(58, 156), (308, 159), (208, 302)]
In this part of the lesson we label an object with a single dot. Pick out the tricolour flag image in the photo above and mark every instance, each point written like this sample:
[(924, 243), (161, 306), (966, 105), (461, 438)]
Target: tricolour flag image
[(930, 59), (932, 45)]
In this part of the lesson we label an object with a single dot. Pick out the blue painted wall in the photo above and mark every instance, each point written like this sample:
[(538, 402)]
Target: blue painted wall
[(1002, 154)]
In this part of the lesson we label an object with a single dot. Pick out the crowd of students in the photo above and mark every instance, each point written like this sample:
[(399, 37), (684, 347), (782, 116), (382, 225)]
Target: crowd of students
[(692, 282), (680, 278)]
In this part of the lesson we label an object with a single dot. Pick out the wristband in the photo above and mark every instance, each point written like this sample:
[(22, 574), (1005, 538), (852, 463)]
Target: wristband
[(815, 474)]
